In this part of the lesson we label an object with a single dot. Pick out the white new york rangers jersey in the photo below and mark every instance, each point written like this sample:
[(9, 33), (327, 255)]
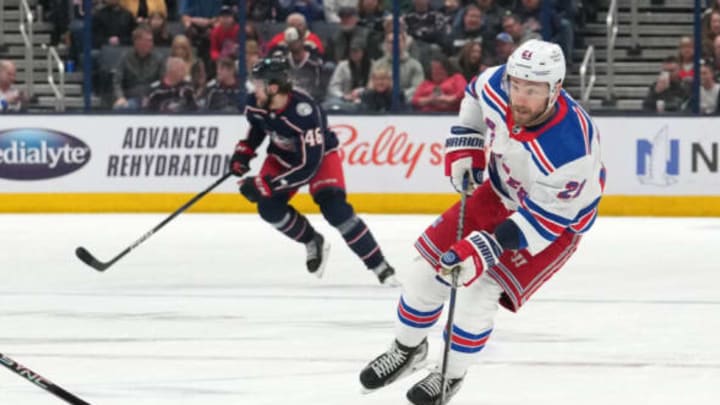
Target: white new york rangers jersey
[(551, 175)]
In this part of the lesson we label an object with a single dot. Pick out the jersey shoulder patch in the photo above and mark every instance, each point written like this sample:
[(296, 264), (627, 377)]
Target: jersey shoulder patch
[(303, 109)]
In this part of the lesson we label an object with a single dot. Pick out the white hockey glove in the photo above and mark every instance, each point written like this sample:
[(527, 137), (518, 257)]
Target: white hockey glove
[(473, 255), (464, 154)]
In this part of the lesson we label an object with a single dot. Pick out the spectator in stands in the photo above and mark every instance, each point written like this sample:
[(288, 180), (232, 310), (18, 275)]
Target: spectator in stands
[(493, 14), (199, 83), (472, 29), (560, 29), (182, 49), (373, 18), (411, 71), (158, 25), (709, 92), (224, 92), (453, 13), (332, 8), (252, 34), (668, 93), (348, 80), (443, 91), (715, 58), (311, 41), (377, 97), (714, 7), (312, 10), (173, 93), (350, 32), (470, 60), (11, 98), (513, 26), (427, 25), (504, 46), (224, 37), (141, 9), (711, 31), (305, 67), (58, 13), (198, 18), (686, 58), (112, 25), (138, 69), (262, 10)]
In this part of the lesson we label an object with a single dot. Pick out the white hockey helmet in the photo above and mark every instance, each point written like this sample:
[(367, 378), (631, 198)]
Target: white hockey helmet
[(538, 61)]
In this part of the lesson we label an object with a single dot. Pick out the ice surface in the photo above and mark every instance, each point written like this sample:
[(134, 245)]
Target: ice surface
[(219, 309)]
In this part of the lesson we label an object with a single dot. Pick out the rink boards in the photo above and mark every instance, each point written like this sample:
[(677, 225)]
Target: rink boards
[(393, 164)]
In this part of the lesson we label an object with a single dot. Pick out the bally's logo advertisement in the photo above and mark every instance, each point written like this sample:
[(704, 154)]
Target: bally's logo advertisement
[(36, 154)]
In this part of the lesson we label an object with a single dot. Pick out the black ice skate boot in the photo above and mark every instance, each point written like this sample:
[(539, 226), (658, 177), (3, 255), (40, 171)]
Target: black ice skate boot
[(317, 254), (427, 390), (386, 275), (397, 362)]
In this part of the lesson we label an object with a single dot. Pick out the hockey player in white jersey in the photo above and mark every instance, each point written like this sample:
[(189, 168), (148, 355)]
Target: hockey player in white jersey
[(540, 152)]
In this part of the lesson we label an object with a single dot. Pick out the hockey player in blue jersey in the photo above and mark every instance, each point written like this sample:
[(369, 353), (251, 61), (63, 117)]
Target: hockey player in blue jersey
[(541, 153), (302, 151)]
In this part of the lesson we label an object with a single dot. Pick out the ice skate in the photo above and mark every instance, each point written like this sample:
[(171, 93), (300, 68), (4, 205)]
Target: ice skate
[(397, 362), (317, 254), (386, 275), (427, 390)]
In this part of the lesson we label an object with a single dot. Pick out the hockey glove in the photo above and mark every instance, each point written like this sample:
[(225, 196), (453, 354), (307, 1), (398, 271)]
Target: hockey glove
[(464, 154), (256, 187), (471, 256), (240, 161)]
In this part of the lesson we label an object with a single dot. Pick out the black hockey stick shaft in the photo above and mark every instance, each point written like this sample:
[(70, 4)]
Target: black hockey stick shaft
[(453, 292), (40, 381), (84, 255)]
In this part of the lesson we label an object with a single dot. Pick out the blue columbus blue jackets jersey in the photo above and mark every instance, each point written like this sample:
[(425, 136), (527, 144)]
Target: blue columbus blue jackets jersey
[(299, 137), (551, 175)]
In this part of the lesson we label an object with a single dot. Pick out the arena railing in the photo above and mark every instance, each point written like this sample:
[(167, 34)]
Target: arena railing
[(2, 21), (57, 88), (587, 83), (27, 31), (612, 31)]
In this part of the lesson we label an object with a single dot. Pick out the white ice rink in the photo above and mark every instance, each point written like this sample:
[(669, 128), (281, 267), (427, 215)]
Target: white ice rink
[(218, 309)]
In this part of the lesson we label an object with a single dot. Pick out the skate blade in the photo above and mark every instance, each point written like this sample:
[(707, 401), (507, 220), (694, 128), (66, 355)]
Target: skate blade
[(325, 254), (412, 370)]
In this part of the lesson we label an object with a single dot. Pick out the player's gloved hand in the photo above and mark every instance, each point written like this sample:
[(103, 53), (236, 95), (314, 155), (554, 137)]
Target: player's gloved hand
[(471, 256), (464, 154), (240, 160), (255, 187)]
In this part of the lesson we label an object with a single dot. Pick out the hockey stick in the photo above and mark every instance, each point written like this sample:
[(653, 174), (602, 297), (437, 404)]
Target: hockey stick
[(453, 292), (87, 258), (40, 381)]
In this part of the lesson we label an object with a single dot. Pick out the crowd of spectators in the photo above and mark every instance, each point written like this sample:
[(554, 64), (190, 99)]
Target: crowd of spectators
[(340, 51), (672, 89)]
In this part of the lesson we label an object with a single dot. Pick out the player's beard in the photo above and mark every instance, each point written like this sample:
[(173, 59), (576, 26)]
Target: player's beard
[(524, 116)]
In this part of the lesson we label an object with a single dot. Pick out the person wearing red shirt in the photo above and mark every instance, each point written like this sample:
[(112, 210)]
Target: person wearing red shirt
[(224, 37), (312, 42), (443, 91)]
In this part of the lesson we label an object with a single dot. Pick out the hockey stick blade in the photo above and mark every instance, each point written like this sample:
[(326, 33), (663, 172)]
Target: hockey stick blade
[(96, 264), (87, 258)]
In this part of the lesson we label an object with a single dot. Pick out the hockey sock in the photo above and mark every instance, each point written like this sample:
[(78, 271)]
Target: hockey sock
[(414, 321), (361, 241), (295, 226), (464, 348)]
